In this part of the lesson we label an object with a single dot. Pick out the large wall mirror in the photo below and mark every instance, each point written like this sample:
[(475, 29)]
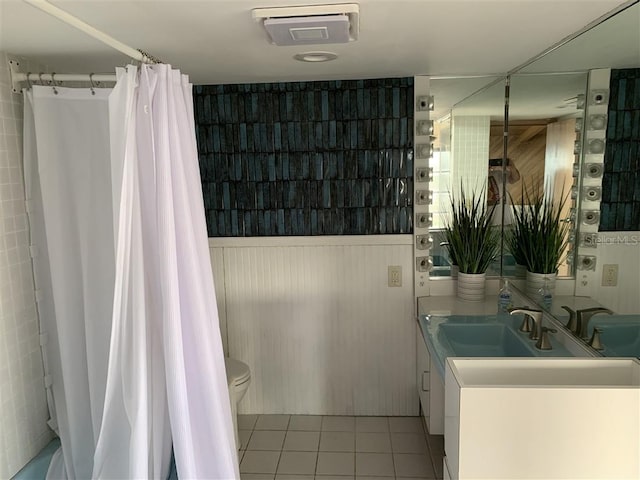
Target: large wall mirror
[(544, 116), (613, 44), (546, 147), (469, 128)]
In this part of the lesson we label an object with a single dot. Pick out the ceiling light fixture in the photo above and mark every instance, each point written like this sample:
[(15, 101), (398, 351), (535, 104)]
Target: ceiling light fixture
[(314, 57)]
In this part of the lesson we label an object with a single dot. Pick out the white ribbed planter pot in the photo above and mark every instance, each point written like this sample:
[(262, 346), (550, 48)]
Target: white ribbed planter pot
[(535, 281), (471, 286)]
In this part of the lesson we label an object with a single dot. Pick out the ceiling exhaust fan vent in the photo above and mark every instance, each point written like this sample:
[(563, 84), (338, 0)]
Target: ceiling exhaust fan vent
[(312, 25)]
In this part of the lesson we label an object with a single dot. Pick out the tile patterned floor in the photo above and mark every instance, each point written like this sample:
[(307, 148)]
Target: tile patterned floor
[(314, 447)]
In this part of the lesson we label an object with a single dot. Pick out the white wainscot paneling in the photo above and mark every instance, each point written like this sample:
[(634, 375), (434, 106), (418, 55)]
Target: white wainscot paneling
[(217, 267), (319, 327), (622, 249)]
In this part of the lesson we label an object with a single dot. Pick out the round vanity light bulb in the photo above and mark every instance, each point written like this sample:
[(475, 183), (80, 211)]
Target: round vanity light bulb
[(596, 146), (425, 127), (594, 170), (597, 122), (590, 217), (591, 193)]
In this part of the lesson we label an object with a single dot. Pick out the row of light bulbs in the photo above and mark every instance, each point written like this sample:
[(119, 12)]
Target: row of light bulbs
[(424, 174), (594, 147)]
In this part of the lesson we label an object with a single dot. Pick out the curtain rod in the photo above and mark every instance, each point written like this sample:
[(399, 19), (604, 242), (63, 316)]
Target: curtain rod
[(64, 77), (52, 78), (60, 14)]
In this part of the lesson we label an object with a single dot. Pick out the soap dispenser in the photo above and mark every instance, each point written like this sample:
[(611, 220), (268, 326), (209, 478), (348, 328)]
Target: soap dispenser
[(504, 297), (545, 296)]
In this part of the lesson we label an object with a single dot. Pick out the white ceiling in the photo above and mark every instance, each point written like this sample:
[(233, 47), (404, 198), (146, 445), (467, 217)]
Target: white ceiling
[(537, 90), (216, 41)]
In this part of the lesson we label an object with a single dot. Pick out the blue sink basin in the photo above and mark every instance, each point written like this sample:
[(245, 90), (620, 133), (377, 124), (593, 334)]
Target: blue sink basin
[(484, 341), (620, 339), (480, 336)]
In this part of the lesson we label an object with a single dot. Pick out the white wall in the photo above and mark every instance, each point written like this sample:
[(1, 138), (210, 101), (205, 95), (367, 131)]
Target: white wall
[(622, 249), (315, 320), (23, 407)]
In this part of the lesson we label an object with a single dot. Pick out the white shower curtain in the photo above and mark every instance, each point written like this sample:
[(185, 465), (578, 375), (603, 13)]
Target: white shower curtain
[(162, 381), (68, 191)]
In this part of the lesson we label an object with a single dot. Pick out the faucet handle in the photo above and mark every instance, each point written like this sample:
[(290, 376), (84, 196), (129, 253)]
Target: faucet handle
[(596, 342), (543, 342)]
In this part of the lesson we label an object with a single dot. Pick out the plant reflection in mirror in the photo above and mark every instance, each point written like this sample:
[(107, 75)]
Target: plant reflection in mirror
[(539, 234)]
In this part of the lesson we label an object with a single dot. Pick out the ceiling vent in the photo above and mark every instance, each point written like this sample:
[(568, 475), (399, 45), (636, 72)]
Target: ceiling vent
[(311, 25)]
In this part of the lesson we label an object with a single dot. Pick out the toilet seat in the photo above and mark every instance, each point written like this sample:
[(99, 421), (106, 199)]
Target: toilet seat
[(237, 372)]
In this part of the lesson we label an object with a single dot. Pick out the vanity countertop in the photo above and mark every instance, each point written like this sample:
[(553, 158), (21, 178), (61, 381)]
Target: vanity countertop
[(452, 305)]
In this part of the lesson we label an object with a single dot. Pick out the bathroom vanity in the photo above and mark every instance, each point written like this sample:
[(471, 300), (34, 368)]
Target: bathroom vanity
[(450, 327), (499, 409), (542, 418)]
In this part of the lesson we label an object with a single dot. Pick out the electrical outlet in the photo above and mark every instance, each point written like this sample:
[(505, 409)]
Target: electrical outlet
[(395, 275), (610, 275)]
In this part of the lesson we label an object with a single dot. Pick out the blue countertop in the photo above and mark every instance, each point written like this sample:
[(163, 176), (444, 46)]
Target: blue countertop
[(480, 336)]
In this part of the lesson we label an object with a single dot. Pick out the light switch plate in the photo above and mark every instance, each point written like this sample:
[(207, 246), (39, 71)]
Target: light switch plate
[(395, 275)]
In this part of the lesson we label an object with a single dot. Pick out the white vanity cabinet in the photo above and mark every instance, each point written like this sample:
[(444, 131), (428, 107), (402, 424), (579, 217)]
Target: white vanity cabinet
[(562, 418), (430, 388)]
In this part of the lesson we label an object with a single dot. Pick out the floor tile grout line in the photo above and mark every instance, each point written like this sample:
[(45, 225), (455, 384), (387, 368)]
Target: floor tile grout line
[(393, 457), (315, 469), (275, 474)]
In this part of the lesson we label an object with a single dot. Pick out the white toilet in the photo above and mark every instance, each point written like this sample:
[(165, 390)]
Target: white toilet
[(238, 379)]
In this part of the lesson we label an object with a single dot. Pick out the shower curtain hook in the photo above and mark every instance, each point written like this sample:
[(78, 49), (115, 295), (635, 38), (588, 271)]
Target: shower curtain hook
[(40, 77), (29, 87), (93, 92), (53, 83)]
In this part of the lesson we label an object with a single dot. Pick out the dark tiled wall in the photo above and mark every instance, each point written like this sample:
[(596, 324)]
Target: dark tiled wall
[(620, 206), (309, 158)]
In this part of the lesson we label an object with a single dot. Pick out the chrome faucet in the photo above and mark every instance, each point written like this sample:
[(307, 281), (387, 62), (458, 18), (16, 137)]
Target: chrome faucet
[(536, 316), (572, 324), (585, 315)]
